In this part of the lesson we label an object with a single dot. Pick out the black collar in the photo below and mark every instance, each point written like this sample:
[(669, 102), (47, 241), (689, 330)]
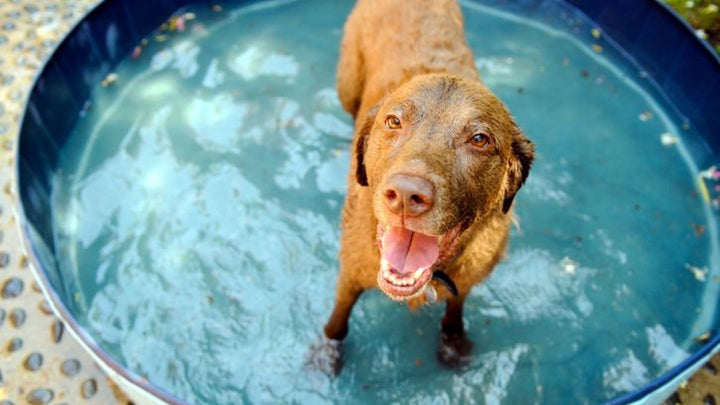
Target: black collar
[(444, 279)]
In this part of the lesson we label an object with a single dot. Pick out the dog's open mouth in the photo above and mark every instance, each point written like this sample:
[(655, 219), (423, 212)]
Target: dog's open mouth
[(409, 258)]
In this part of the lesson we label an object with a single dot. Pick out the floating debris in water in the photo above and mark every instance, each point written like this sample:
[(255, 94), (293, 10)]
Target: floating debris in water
[(711, 173), (177, 24), (645, 116), (595, 33), (597, 48), (217, 8), (136, 52), (697, 272), (566, 62), (109, 79), (699, 229), (703, 190), (701, 34), (703, 337), (668, 139), (568, 265)]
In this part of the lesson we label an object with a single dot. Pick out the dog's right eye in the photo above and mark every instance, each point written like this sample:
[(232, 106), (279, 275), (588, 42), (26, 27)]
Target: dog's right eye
[(393, 122), (480, 141)]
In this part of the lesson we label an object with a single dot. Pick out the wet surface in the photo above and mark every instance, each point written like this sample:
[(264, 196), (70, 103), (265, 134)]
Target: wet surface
[(213, 273)]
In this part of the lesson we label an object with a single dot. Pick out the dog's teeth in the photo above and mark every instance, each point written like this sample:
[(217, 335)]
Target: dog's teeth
[(419, 272), (384, 264), (399, 280)]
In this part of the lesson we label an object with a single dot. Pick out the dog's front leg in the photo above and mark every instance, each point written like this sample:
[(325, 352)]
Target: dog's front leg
[(454, 347), (336, 327), (326, 355)]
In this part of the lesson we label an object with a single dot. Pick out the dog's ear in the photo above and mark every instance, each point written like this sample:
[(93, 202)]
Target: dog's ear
[(523, 153), (364, 128)]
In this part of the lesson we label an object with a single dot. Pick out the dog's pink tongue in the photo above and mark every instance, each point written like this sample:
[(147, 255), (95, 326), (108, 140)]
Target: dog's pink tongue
[(407, 251)]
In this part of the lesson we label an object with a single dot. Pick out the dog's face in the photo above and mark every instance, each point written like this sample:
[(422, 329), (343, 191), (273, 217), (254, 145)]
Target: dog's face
[(437, 154)]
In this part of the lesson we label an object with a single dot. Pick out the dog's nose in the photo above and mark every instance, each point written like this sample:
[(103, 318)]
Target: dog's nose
[(408, 195)]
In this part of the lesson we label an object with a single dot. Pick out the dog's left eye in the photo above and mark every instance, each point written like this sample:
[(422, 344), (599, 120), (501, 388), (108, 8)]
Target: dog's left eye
[(393, 122), (480, 140)]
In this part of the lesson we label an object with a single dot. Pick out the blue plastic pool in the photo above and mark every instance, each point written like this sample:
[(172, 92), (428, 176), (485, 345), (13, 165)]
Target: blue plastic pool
[(181, 197)]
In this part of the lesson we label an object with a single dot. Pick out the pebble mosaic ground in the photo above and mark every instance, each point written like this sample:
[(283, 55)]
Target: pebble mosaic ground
[(39, 362)]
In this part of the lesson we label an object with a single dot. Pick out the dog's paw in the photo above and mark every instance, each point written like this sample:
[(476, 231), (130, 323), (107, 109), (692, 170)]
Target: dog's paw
[(454, 349), (326, 356)]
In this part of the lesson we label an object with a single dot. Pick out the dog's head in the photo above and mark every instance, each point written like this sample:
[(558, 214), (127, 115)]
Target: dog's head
[(438, 153)]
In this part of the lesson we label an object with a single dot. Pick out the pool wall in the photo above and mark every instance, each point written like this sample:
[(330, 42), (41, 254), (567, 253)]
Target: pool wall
[(85, 56), (681, 67)]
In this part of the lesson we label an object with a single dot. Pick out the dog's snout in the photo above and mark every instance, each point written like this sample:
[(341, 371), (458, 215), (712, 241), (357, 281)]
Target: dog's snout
[(409, 196)]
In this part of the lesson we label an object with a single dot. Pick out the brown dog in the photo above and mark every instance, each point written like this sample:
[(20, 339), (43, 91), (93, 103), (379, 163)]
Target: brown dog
[(438, 160)]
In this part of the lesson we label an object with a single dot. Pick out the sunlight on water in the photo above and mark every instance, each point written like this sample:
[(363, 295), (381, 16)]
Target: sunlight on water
[(198, 203)]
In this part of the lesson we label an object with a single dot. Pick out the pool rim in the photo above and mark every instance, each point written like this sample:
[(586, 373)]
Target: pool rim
[(108, 364), (116, 370)]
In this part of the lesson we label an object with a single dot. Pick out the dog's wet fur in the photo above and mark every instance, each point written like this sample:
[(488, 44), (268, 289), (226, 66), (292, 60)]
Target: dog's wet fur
[(437, 162)]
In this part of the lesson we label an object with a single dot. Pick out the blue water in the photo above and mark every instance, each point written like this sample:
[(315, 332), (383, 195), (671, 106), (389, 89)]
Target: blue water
[(197, 208)]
